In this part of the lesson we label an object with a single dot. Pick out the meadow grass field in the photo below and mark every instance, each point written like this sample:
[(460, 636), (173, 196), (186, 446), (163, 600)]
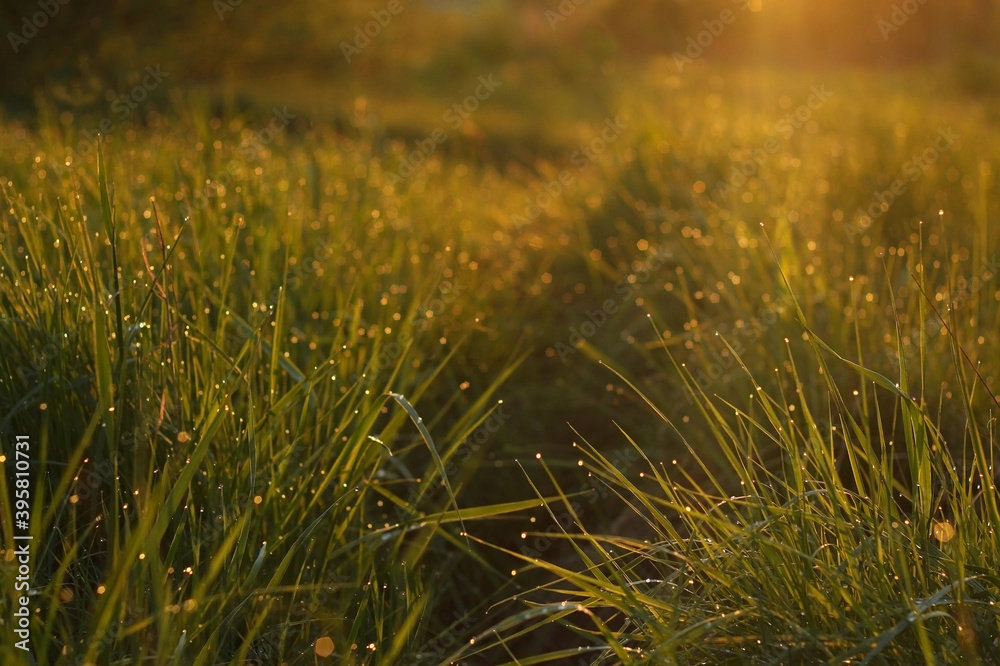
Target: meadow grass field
[(708, 376)]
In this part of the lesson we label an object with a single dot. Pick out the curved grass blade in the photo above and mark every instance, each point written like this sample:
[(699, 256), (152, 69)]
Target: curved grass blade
[(419, 422)]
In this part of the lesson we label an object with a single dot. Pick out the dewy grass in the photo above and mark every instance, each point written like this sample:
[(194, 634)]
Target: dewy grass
[(275, 400), (802, 559), (806, 549), (214, 470)]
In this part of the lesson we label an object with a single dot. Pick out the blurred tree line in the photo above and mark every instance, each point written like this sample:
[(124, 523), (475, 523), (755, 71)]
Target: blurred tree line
[(83, 45), (789, 32), (88, 43)]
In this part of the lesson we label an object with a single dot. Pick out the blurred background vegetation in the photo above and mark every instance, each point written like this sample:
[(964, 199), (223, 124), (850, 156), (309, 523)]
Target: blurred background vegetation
[(561, 61), (87, 47)]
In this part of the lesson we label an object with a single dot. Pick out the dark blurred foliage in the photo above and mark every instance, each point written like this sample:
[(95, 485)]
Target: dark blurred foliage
[(85, 47), (85, 42)]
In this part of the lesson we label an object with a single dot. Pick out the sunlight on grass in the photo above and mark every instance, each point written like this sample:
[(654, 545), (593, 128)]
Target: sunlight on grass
[(291, 406)]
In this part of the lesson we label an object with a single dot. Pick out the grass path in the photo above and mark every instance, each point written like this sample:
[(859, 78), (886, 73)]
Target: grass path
[(288, 405)]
